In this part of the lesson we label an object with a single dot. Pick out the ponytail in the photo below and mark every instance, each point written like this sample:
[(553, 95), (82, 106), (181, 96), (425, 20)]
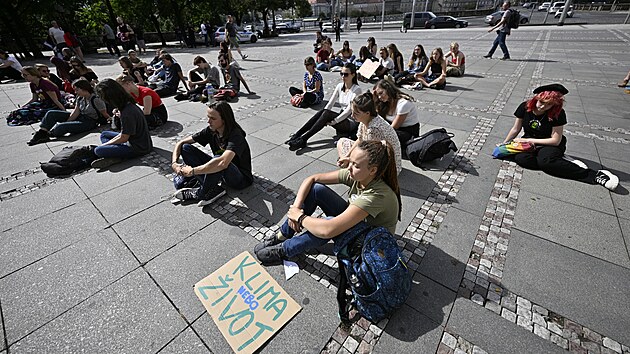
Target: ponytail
[(381, 154)]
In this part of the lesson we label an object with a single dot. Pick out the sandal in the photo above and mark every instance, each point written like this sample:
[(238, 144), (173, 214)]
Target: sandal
[(623, 83)]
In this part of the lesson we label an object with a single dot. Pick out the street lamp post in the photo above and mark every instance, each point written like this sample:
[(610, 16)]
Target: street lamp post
[(383, 17)]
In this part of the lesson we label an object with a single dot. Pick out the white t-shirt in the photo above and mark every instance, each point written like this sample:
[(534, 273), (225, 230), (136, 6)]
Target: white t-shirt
[(342, 99), (387, 63), (203, 29), (15, 64), (56, 34), (405, 107)]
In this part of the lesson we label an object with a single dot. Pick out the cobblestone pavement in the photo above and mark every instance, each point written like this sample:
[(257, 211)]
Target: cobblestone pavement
[(503, 259)]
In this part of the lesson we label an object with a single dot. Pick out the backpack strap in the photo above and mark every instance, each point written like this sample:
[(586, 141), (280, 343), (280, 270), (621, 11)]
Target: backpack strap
[(342, 298)]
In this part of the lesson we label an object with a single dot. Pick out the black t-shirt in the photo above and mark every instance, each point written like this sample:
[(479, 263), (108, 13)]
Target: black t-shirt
[(230, 29), (538, 127), (235, 142), (172, 75), (133, 123)]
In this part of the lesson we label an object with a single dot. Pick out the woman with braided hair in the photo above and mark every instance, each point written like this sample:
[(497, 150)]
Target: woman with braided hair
[(374, 198)]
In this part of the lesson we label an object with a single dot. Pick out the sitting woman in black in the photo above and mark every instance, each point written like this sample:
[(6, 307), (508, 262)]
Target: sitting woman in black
[(542, 119)]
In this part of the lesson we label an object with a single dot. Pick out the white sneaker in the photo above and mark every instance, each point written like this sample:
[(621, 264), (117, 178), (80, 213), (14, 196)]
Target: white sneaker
[(607, 179)]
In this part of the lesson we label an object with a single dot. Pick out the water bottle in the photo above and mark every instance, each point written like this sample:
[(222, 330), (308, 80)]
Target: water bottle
[(209, 90)]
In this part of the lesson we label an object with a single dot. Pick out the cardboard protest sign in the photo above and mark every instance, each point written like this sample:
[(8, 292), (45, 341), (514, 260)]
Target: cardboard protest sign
[(245, 302), (368, 68)]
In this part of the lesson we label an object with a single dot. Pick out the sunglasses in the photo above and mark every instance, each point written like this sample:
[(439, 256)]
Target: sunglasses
[(344, 74)]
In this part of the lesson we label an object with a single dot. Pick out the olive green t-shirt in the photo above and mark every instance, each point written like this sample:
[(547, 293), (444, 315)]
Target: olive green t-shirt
[(377, 199)]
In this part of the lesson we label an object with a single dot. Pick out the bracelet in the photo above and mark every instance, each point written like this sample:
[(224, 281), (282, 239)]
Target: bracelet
[(300, 220), (193, 171)]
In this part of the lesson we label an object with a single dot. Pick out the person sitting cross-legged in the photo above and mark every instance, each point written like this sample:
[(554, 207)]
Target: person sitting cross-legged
[(84, 117), (374, 198), (199, 176)]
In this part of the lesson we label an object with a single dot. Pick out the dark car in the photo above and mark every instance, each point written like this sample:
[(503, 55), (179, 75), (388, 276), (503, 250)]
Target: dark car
[(420, 18), (445, 22)]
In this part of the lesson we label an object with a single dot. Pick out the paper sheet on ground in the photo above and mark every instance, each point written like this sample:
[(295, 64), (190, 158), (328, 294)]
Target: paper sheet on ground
[(290, 269)]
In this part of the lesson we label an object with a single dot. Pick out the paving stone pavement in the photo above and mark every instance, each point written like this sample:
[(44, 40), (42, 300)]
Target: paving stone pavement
[(503, 259)]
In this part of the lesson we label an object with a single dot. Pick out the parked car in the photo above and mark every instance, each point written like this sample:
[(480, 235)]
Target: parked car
[(286, 28), (258, 27), (555, 6), (560, 10), (328, 27), (530, 5), (544, 6), (419, 19), (243, 36), (496, 17), (445, 22)]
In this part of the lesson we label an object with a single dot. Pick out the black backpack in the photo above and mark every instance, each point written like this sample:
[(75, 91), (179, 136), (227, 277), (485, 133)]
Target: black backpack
[(514, 19), (372, 266), (69, 160), (430, 146)]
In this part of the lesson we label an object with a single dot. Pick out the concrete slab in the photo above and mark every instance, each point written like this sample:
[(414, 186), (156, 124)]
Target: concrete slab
[(29, 206), (431, 299), (445, 260), (572, 192), (185, 342), (27, 243), (480, 181), (99, 181), (139, 195), (582, 288), (409, 331), (470, 320), (273, 164), (151, 232), (620, 195), (594, 232), (41, 292), (182, 266), (112, 321)]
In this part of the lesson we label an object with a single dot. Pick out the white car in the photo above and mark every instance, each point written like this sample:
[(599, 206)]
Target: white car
[(328, 27), (556, 5), (544, 6), (560, 10), (243, 35)]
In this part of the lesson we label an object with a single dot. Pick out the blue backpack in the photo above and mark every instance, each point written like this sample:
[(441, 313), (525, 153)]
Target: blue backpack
[(371, 263)]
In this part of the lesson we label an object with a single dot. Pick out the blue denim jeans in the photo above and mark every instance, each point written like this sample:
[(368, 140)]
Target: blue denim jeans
[(323, 66), (116, 150), (331, 203), (56, 122), (231, 176), (500, 41)]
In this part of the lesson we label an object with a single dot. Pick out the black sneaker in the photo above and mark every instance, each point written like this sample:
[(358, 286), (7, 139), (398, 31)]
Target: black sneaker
[(105, 162), (270, 256), (607, 179), (297, 144), (488, 56), (291, 138), (271, 241), (505, 58), (40, 136), (212, 195)]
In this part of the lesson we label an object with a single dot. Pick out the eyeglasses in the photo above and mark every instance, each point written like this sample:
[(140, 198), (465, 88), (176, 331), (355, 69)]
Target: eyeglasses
[(344, 74)]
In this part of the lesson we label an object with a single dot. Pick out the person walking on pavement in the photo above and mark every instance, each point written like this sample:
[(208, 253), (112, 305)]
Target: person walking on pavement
[(204, 33), (337, 25), (502, 32), (109, 38), (359, 24), (230, 29)]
